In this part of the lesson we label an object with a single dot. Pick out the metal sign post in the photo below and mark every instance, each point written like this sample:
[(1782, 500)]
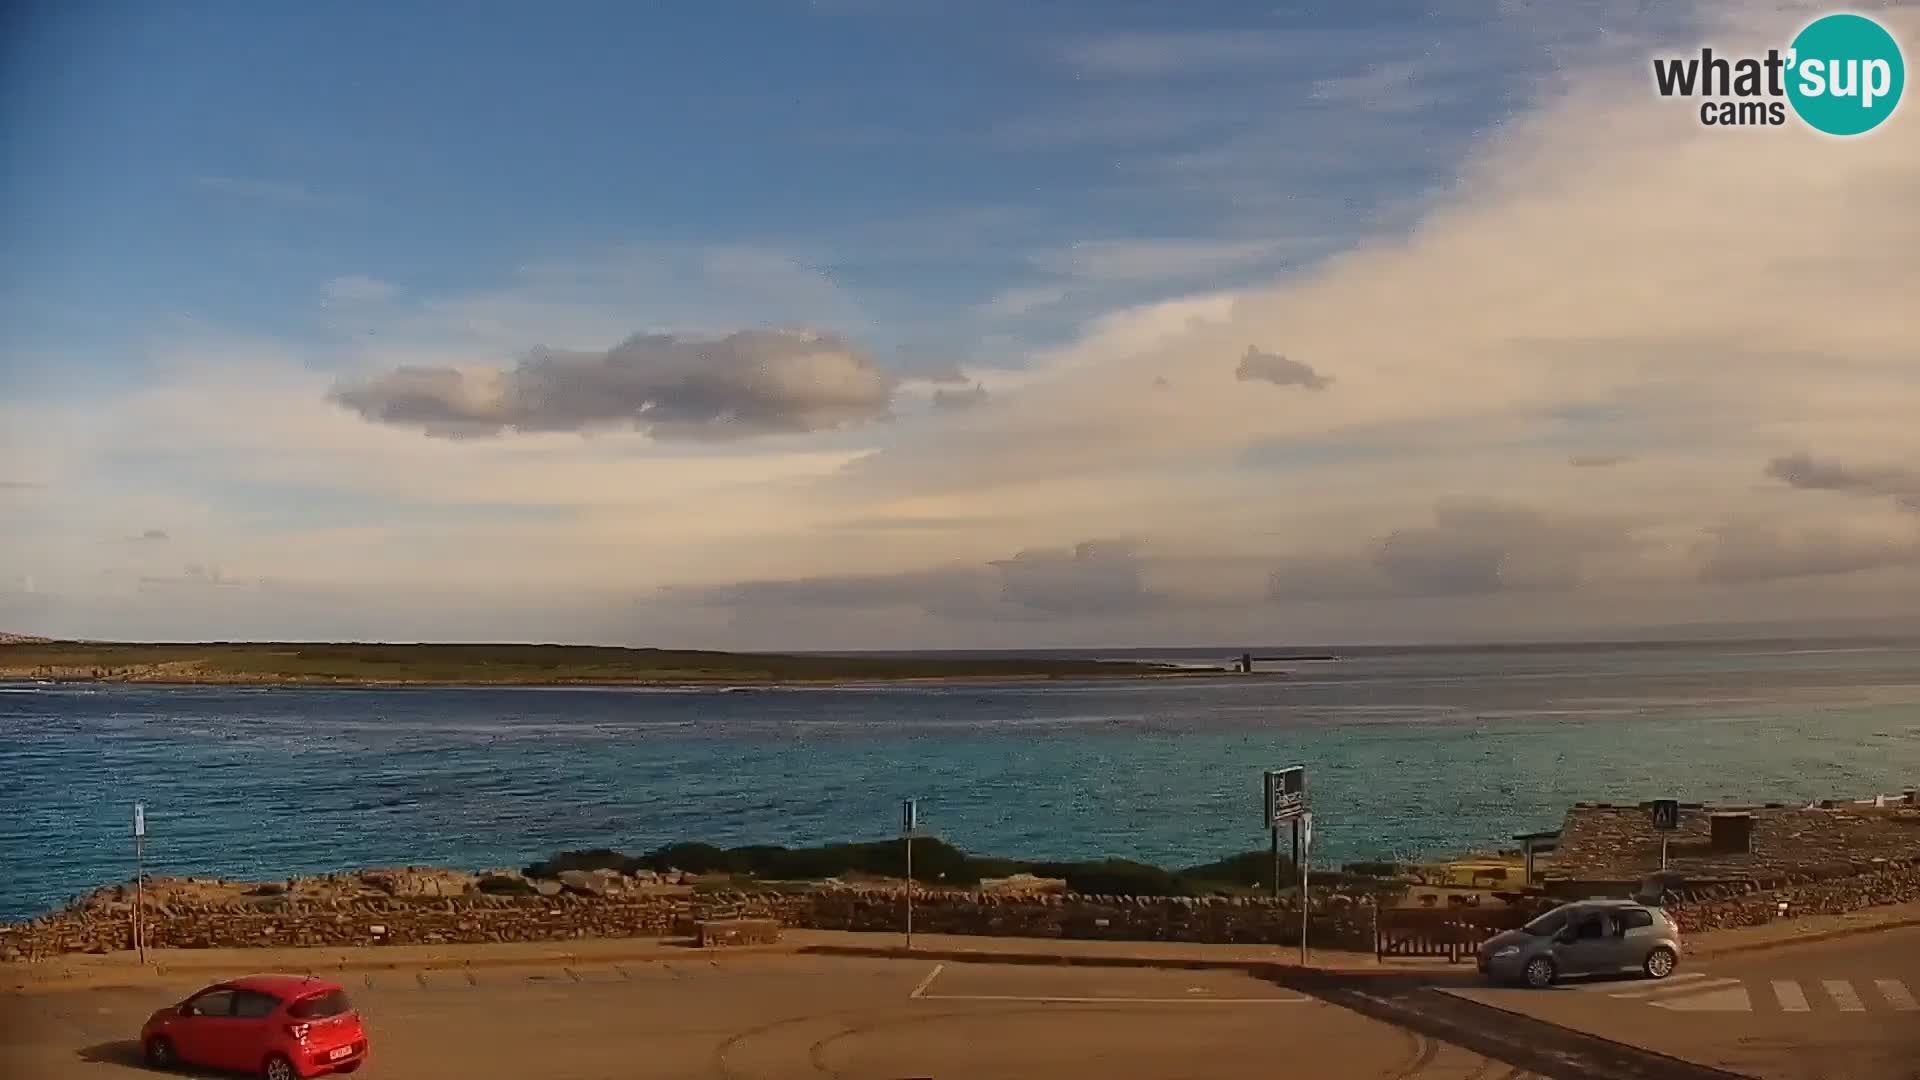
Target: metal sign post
[(140, 880), (1306, 858), (909, 821), (1666, 818), (1285, 800), (1276, 862)]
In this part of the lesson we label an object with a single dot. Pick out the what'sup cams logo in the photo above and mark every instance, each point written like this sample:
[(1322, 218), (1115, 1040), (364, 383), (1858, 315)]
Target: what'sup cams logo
[(1842, 74)]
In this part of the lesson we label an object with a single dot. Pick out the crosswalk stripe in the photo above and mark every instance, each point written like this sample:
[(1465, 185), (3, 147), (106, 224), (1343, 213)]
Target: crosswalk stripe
[(1667, 988), (1790, 996), (1724, 999), (1841, 991), (1679, 978), (1896, 994)]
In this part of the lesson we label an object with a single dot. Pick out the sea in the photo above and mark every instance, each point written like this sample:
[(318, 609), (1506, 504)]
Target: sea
[(1414, 752)]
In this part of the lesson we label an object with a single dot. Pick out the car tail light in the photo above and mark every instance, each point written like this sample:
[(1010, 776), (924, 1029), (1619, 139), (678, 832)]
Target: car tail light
[(299, 1031)]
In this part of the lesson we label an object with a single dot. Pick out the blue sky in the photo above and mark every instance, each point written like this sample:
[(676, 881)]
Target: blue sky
[(272, 277), (221, 162)]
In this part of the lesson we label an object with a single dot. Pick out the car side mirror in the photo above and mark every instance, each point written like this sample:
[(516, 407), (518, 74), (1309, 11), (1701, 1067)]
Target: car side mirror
[(1566, 937)]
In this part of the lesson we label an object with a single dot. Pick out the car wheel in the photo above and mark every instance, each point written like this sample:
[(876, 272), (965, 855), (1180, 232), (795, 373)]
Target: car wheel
[(159, 1053), (1660, 963), (1540, 972), (278, 1068)]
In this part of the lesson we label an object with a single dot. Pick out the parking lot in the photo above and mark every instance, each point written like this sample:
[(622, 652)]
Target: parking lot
[(1839, 1010), (779, 1016)]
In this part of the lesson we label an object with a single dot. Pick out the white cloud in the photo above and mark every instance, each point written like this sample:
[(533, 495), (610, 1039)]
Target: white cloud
[(354, 289), (1153, 259), (1382, 86), (1136, 54), (1022, 300)]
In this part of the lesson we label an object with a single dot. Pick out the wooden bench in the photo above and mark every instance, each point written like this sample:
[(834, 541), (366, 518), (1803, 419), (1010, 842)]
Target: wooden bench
[(712, 933)]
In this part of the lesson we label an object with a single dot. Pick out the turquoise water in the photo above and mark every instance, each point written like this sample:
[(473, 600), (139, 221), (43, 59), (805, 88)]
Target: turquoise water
[(1413, 752)]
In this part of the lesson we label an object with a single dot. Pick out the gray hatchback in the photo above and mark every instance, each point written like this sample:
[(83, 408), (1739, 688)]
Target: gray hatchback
[(1588, 937)]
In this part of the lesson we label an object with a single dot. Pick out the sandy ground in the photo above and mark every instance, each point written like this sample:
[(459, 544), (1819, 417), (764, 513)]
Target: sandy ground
[(775, 1015)]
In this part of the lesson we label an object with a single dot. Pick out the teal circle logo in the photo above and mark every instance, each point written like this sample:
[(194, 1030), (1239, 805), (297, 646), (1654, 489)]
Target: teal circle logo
[(1846, 74)]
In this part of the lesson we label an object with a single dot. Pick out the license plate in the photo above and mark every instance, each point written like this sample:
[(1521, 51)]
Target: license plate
[(340, 1052)]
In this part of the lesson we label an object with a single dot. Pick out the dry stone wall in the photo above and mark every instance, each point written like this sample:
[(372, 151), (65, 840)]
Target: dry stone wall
[(1723, 907), (434, 920), (422, 917)]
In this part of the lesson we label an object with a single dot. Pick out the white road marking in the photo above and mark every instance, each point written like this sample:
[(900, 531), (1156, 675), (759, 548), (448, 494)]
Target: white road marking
[(1612, 989), (920, 991), (1791, 999), (1731, 999), (1677, 991), (1841, 991), (1044, 999), (1896, 994)]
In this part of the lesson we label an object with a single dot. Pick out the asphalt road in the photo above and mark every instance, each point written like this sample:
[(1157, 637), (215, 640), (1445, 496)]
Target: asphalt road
[(1847, 1009), (784, 1016)]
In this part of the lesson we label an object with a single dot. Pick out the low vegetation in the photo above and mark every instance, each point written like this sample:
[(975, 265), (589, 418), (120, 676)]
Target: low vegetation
[(936, 862), (529, 665)]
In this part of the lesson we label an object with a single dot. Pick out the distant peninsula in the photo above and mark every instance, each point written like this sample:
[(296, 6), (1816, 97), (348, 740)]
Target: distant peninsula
[(309, 663)]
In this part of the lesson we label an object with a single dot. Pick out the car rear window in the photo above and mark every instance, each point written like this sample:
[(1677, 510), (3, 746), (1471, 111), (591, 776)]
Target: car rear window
[(320, 1006), (1635, 918)]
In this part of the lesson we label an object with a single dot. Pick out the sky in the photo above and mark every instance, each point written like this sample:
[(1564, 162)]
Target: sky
[(913, 324)]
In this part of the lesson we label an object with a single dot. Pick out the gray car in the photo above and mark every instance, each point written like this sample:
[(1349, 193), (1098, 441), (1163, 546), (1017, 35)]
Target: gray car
[(1588, 937)]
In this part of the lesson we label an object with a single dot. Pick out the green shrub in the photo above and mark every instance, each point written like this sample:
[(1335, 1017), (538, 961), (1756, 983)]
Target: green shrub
[(938, 862), (1374, 869), (591, 859), (501, 885), (693, 858), (1118, 877), (1247, 869)]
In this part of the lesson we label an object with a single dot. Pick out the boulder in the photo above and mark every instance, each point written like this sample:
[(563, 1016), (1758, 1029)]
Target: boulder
[(583, 882), (505, 885), (547, 888), (418, 881), (1022, 884)]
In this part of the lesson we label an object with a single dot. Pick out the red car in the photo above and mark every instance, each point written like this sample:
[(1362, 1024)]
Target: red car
[(277, 1027)]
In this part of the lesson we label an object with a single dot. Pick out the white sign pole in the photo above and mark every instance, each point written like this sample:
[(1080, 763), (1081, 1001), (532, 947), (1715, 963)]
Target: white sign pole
[(139, 880), (1306, 859)]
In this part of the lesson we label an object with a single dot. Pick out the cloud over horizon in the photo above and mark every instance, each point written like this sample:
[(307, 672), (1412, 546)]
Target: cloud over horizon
[(1802, 470), (748, 383), (1278, 370)]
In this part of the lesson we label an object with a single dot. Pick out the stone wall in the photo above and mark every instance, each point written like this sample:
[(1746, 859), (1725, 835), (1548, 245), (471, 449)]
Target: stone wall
[(1750, 904), (1606, 842), (1339, 922)]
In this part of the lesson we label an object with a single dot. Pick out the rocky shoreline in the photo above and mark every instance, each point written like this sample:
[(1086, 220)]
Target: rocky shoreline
[(427, 664), (161, 675)]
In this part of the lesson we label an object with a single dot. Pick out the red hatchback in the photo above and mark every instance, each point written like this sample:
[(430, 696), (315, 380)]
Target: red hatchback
[(274, 1026)]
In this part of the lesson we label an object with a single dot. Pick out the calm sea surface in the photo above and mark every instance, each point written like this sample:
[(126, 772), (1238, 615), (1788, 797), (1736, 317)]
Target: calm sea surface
[(1410, 752)]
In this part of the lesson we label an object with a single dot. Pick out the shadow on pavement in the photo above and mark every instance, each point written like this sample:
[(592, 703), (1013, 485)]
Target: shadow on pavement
[(1412, 1002), (117, 1052)]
